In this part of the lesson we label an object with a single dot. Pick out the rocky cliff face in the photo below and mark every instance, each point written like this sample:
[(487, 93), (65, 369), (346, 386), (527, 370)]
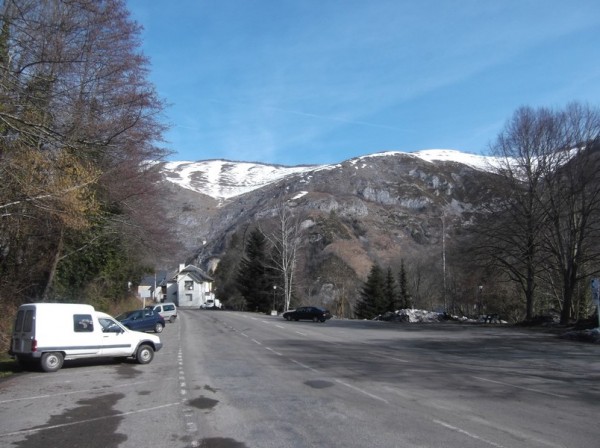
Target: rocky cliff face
[(380, 208)]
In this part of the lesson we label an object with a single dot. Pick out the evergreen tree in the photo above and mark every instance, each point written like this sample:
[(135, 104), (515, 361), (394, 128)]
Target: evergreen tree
[(404, 298), (226, 275), (390, 292), (254, 280), (373, 297)]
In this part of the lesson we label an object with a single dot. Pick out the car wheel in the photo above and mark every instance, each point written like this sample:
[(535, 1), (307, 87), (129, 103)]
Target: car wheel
[(322, 320), (315, 319), (172, 319), (51, 361), (158, 328), (288, 318), (144, 354)]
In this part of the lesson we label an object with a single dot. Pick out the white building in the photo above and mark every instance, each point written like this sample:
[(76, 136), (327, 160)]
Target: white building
[(189, 287)]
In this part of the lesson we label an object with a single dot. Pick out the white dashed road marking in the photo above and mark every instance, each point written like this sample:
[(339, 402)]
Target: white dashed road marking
[(521, 387)]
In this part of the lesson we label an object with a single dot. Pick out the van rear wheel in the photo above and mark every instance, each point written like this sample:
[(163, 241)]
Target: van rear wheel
[(144, 354), (51, 361)]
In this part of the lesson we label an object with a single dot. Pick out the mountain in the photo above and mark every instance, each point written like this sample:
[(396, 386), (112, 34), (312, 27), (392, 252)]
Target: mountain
[(383, 208), (222, 180)]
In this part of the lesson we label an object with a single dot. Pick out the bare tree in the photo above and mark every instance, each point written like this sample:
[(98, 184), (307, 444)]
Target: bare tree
[(79, 123), (284, 241), (546, 221), (524, 151), (572, 199)]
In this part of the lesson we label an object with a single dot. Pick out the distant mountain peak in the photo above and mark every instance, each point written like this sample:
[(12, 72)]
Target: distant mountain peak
[(223, 179)]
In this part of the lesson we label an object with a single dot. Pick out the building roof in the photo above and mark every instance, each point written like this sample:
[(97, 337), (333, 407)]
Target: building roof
[(193, 272), (159, 277)]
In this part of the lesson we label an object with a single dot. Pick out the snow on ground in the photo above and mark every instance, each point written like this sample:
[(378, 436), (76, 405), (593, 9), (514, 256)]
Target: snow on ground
[(422, 316)]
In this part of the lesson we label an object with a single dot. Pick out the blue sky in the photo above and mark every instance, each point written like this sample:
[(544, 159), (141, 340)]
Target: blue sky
[(320, 81)]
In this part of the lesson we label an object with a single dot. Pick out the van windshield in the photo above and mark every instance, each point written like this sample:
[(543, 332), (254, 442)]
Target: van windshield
[(109, 325)]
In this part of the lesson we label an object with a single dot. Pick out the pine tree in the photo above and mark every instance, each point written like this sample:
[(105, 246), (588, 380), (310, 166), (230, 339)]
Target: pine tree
[(404, 298), (254, 279), (390, 292), (373, 298)]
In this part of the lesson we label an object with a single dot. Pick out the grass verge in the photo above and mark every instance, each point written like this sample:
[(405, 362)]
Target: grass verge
[(8, 366)]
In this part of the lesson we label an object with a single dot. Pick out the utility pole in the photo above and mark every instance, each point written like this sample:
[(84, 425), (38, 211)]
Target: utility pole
[(444, 260)]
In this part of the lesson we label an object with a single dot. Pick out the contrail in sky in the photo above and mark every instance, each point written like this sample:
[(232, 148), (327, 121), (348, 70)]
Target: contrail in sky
[(325, 117)]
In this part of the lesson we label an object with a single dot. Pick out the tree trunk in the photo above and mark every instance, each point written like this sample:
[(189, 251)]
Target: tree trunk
[(54, 266)]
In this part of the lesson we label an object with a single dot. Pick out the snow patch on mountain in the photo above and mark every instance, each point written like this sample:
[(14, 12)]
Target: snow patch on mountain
[(476, 161), (222, 179)]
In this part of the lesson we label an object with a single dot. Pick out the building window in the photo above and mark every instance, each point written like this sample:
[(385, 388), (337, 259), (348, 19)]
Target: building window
[(188, 297), (188, 285)]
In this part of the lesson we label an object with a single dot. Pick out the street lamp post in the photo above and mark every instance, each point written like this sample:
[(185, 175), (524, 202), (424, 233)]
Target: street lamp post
[(273, 311)]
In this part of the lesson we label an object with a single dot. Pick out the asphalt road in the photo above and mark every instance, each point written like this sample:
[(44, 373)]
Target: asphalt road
[(237, 380)]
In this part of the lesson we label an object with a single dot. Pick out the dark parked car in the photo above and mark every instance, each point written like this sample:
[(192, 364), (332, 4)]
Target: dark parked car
[(314, 313), (142, 320)]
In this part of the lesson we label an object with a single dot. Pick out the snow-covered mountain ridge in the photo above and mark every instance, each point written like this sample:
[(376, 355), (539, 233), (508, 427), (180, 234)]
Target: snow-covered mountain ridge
[(222, 179)]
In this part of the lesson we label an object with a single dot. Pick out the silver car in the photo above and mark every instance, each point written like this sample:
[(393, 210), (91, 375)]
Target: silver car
[(167, 310)]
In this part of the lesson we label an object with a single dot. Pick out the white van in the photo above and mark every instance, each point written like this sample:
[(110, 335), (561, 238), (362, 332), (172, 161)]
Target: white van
[(49, 333)]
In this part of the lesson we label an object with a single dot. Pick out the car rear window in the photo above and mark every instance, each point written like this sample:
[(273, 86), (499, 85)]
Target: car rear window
[(28, 320), (169, 307)]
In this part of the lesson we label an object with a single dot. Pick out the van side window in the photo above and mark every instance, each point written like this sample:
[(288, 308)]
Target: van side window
[(83, 323)]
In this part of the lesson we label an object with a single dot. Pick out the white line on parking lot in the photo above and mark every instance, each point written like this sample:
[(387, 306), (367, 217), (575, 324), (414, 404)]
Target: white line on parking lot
[(520, 387), (271, 350), (390, 357), (256, 342), (466, 433), (362, 391), (104, 417), (81, 391), (304, 366)]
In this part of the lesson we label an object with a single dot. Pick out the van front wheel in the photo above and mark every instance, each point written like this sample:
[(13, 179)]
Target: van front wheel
[(51, 361), (144, 354)]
